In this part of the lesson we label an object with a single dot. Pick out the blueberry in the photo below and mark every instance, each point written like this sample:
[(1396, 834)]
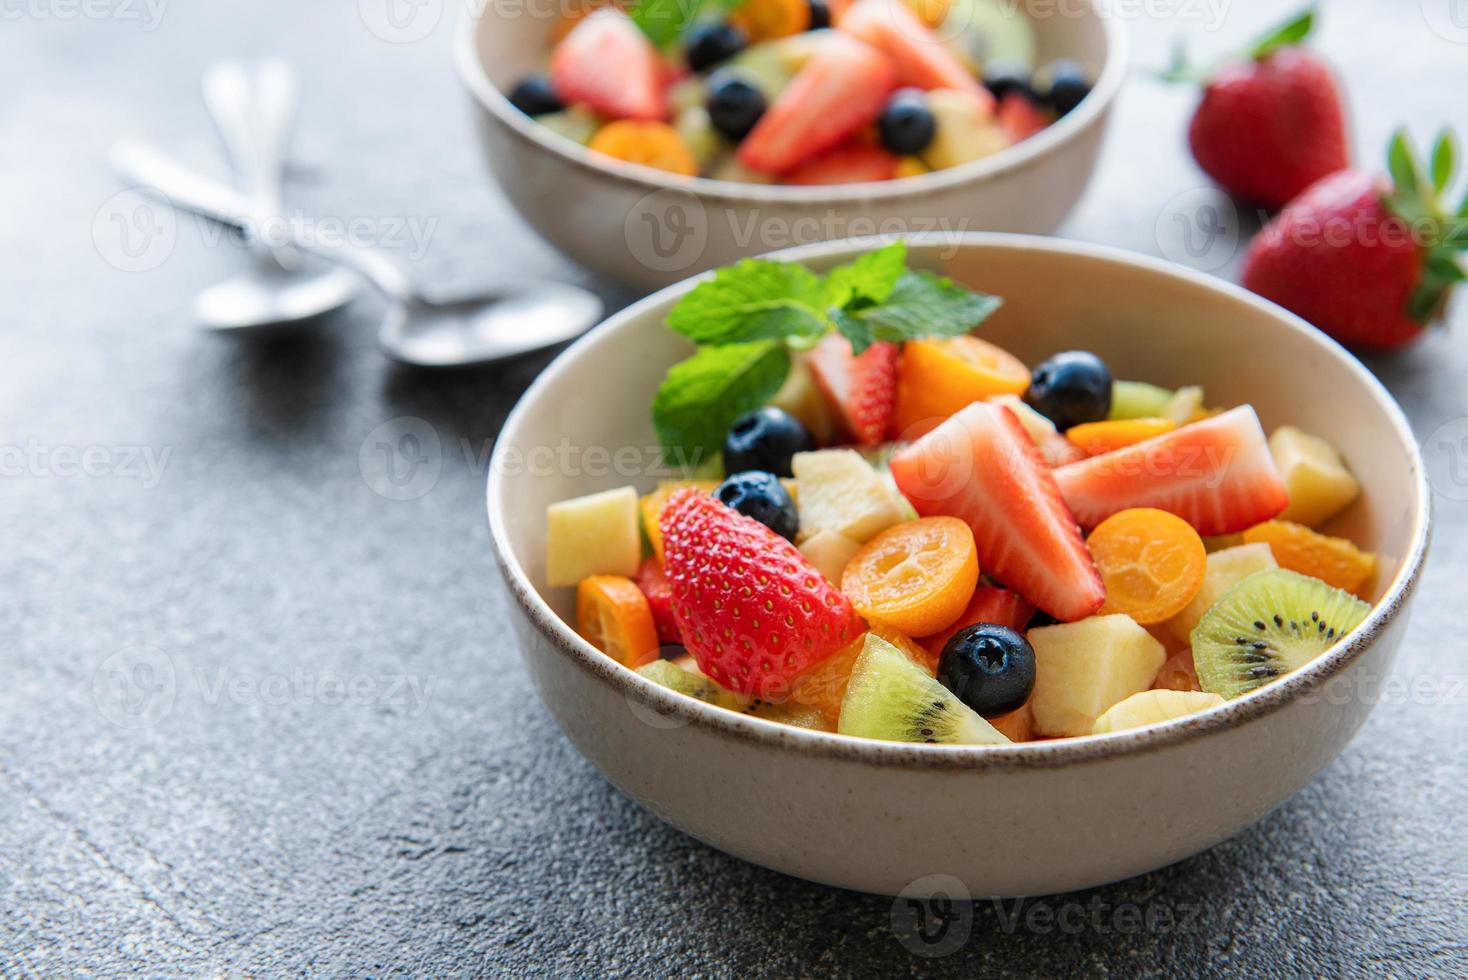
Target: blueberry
[(820, 15), (1071, 389), (734, 103), (765, 439), (1068, 86), (906, 124), (988, 667), (712, 42), (535, 97), (763, 497), (1002, 77)]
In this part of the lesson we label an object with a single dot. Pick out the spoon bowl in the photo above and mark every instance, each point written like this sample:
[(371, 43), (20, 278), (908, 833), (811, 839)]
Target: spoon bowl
[(268, 298), (479, 329)]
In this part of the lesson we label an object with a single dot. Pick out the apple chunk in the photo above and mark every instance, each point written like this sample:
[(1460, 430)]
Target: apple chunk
[(1083, 668), (592, 535), (1226, 569), (839, 491)]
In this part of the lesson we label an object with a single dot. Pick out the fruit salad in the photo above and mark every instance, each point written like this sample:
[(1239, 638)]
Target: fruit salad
[(798, 91), (892, 528)]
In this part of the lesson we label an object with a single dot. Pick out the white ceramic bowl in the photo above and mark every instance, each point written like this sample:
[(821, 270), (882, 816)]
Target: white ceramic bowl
[(649, 228), (1025, 819)]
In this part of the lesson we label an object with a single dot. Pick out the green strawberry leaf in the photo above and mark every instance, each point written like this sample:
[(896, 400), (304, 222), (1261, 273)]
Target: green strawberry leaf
[(1455, 233), (754, 300), (869, 279), (1292, 31), (921, 304), (1440, 274), (702, 396), (1402, 164), (1444, 160)]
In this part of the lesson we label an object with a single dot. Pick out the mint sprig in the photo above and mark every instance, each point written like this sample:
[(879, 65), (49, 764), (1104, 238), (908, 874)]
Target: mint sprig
[(754, 300), (748, 317), (702, 396), (664, 21)]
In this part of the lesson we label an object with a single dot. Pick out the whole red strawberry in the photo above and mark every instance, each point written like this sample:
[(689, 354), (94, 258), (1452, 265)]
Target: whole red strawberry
[(751, 609), (1271, 125), (1370, 261), (860, 388)]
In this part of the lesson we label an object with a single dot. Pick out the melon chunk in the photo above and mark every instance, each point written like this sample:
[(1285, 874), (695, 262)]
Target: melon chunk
[(839, 491), (1316, 477), (1226, 569), (592, 535), (1153, 708), (1083, 668)]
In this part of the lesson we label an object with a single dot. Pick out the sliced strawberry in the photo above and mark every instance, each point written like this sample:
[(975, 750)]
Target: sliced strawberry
[(989, 605), (920, 57), (654, 584), (610, 65), (841, 88), (982, 466), (751, 609), (1217, 475), (851, 163), (860, 390), (1019, 117)]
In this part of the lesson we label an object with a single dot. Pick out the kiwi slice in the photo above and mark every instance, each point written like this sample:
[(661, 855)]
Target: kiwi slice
[(692, 683), (891, 698), (1271, 623), (1138, 400)]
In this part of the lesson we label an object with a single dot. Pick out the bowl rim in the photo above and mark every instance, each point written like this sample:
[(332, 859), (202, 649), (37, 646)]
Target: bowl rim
[(1091, 112), (682, 709)]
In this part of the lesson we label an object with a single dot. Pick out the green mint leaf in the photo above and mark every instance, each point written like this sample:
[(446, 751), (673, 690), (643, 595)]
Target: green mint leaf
[(753, 300), (664, 21), (702, 396), (1444, 160), (1401, 162), (1292, 31), (921, 305), (869, 279)]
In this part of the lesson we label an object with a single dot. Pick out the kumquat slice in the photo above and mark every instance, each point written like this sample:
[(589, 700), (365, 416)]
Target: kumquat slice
[(612, 615), (916, 577), (1151, 562), (1095, 438), (652, 144)]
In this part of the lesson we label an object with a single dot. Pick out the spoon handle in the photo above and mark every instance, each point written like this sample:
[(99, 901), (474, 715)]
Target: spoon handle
[(156, 172), (253, 112)]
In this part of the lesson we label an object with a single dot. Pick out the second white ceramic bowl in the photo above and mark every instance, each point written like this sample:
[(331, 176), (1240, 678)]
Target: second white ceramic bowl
[(1025, 819), (649, 228)]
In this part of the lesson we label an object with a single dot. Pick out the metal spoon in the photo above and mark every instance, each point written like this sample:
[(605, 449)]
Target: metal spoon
[(254, 112), (417, 329)]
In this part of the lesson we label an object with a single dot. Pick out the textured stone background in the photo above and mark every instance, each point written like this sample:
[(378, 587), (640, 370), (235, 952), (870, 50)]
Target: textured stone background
[(233, 811)]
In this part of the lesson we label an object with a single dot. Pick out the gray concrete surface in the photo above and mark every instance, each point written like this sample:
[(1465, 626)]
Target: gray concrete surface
[(258, 719)]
